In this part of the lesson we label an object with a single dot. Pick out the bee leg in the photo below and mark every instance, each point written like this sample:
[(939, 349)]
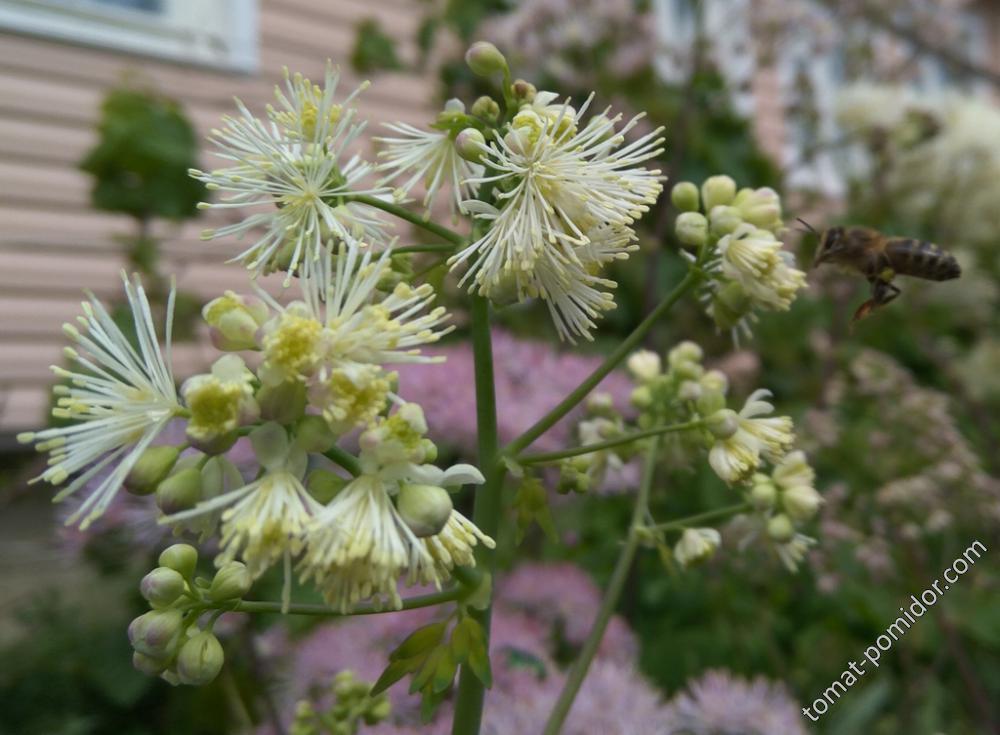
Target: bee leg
[(883, 292)]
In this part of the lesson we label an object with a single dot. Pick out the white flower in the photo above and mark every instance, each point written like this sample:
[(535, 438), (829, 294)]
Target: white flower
[(220, 401), (266, 519), (344, 331), (360, 545), (795, 478), (119, 399), (741, 439), (428, 157), (754, 258), (644, 365), (568, 194), (695, 545), (292, 166), (793, 552)]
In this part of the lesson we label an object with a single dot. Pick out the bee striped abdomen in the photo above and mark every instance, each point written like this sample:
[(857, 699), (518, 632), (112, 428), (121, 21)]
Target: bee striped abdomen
[(921, 259)]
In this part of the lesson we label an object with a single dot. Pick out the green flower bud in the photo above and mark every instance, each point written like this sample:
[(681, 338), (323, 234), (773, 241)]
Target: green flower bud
[(642, 397), (324, 485), (689, 390), (801, 502), (153, 632), (231, 582), (470, 144), (162, 586), (684, 197), (313, 434), (715, 380), (486, 108), (270, 444), (485, 59), (691, 229), (378, 710), (234, 320), (759, 207), (200, 659), (688, 370), (153, 465), (180, 491), (425, 508), (729, 305), (182, 558), (284, 403), (763, 494), (148, 664), (717, 190), (686, 351), (780, 528), (524, 92), (723, 424), (429, 450), (723, 221), (710, 402)]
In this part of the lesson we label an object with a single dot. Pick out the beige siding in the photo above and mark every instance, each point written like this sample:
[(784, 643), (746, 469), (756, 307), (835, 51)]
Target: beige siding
[(52, 244)]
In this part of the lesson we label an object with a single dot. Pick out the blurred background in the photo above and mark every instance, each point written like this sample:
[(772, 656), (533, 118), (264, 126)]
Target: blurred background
[(876, 112)]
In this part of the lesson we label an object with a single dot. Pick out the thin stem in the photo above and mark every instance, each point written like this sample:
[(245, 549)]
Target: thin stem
[(433, 247), (411, 603), (610, 363), (343, 458), (607, 444), (610, 602), (412, 217), (709, 515), (486, 512)]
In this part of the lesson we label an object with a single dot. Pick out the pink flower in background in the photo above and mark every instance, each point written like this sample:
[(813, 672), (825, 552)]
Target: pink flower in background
[(531, 378)]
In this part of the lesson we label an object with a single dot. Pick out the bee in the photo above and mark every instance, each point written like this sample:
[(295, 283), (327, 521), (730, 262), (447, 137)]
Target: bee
[(880, 258)]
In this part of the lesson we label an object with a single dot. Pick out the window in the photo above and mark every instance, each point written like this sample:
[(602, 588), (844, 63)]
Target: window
[(220, 33)]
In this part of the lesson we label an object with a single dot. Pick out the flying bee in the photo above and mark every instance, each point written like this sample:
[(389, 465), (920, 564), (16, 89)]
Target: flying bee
[(880, 258)]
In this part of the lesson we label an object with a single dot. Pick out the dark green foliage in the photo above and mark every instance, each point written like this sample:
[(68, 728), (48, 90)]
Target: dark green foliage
[(140, 163), (373, 49)]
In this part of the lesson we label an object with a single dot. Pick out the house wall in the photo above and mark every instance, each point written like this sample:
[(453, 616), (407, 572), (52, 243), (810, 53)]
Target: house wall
[(52, 244)]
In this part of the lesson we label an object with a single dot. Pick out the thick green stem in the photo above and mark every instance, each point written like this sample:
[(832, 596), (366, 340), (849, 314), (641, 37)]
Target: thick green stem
[(709, 515), (610, 602), (621, 352), (607, 444), (412, 217), (253, 606), (486, 512), (345, 459)]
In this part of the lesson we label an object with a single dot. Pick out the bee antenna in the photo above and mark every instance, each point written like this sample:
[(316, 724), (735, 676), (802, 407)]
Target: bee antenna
[(808, 226)]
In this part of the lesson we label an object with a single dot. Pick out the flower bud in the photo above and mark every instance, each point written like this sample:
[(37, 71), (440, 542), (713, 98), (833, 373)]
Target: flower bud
[(234, 321), (759, 207), (684, 197), (270, 445), (780, 529), (313, 434), (686, 351), (715, 380), (689, 390), (729, 305), (763, 493), (153, 632), (710, 401), (696, 545), (324, 485), (231, 582), (801, 502), (717, 190), (148, 664), (601, 404), (200, 659), (644, 365), (642, 397), (723, 424), (485, 59), (523, 91), (486, 108), (153, 465), (182, 558), (425, 508), (162, 586), (470, 144), (180, 491), (284, 402), (723, 221), (691, 229)]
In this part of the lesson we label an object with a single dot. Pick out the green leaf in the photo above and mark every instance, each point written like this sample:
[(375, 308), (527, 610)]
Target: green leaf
[(395, 671), (444, 672), (531, 505), (373, 49), (423, 677), (419, 641)]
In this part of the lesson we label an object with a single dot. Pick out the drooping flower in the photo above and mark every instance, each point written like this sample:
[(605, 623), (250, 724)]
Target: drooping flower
[(339, 337), (754, 258), (568, 195), (119, 398), (266, 519), (695, 545), (429, 157), (360, 545), (795, 480), (293, 165), (743, 438)]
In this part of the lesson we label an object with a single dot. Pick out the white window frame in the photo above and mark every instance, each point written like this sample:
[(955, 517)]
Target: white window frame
[(214, 33)]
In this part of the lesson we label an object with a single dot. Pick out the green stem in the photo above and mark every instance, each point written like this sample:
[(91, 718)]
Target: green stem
[(254, 606), (610, 602), (412, 217), (610, 363), (434, 247), (486, 512), (709, 515), (345, 459), (607, 444)]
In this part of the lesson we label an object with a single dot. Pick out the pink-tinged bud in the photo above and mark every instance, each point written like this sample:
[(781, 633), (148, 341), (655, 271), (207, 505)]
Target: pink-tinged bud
[(162, 586), (471, 145)]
